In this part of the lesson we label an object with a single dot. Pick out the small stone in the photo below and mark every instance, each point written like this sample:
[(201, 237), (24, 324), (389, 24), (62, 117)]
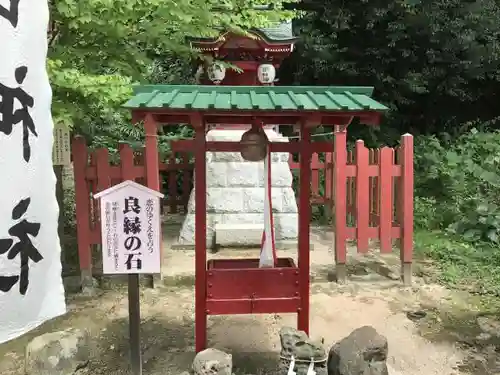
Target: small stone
[(297, 344), (364, 352), (483, 336), (73, 284), (489, 325), (213, 362), (58, 353)]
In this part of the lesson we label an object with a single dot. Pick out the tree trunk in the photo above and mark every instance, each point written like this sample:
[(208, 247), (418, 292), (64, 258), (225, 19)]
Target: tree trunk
[(58, 171)]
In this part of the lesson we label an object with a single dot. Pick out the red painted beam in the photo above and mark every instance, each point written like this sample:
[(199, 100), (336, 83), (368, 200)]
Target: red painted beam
[(253, 306), (188, 145), (237, 117)]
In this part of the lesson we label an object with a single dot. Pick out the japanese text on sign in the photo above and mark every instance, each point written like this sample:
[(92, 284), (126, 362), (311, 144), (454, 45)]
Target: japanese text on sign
[(130, 223), (61, 150)]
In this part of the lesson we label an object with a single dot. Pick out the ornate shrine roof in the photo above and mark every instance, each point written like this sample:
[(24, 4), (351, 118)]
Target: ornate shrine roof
[(276, 34), (279, 32), (158, 98)]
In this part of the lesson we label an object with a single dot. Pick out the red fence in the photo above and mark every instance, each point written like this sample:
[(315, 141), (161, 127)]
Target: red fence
[(369, 191), (96, 171)]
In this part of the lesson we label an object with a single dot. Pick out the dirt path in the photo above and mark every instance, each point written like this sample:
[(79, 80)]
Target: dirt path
[(370, 298)]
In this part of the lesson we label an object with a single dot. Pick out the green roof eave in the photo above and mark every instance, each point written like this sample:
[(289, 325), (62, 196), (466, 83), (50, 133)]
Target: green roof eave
[(256, 98), (272, 36), (267, 36), (280, 33)]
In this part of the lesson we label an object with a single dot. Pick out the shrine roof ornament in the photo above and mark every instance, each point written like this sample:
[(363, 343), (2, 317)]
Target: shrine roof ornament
[(262, 98), (279, 32), (275, 34)]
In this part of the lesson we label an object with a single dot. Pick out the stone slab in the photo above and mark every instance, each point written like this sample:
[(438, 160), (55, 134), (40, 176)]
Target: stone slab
[(228, 235), (285, 225), (280, 245)]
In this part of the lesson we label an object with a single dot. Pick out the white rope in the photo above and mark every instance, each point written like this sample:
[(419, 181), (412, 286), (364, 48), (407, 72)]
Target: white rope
[(291, 367), (268, 249), (312, 360), (310, 369), (312, 135)]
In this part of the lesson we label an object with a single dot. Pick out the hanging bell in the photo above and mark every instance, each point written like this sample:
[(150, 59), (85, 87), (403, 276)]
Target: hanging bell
[(254, 144)]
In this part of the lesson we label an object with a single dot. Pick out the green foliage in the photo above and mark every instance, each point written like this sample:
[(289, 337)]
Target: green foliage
[(472, 267), (109, 137), (435, 64), (97, 48), (458, 183), (97, 95)]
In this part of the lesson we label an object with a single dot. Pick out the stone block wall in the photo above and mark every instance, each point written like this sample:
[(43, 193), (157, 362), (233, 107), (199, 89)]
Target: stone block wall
[(235, 191)]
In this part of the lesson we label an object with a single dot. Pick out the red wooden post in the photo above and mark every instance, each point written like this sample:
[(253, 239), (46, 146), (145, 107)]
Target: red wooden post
[(328, 175), (329, 203), (385, 196), (340, 230), (376, 184), (406, 207), (103, 172), (94, 214), (186, 181), (200, 234), (126, 162), (304, 222), (172, 183), (82, 208), (362, 197), (103, 169), (315, 175), (152, 165)]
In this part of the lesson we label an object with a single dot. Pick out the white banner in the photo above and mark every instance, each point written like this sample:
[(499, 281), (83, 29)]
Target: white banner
[(31, 289)]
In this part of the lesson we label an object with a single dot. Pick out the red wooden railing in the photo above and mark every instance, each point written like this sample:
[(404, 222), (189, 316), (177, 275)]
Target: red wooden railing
[(94, 172), (369, 191)]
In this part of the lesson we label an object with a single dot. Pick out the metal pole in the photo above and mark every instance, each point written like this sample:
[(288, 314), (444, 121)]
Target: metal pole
[(134, 316), (304, 226), (200, 237)]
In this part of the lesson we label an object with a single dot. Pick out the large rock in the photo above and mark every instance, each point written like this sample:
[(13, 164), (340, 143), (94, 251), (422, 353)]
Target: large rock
[(58, 353), (213, 362), (235, 195), (363, 352), (297, 344)]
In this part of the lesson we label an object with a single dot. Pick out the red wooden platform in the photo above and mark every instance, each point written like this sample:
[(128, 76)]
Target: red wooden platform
[(239, 286)]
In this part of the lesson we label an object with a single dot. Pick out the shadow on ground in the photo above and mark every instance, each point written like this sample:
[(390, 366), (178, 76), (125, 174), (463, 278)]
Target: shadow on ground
[(167, 347), (477, 333), (358, 269), (255, 363)]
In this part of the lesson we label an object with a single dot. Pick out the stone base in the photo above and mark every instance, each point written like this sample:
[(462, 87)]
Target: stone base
[(285, 226), (280, 245), (229, 235)]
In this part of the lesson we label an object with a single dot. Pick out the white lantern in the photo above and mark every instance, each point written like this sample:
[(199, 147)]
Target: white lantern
[(216, 72), (266, 73)]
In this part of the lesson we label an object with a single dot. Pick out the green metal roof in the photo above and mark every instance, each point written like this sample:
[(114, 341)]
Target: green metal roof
[(262, 98), (275, 34), (278, 32)]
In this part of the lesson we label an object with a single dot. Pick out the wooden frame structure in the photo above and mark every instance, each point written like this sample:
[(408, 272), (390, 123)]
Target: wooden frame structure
[(239, 286)]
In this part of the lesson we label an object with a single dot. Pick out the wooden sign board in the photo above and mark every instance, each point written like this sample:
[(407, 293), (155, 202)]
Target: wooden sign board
[(61, 149), (130, 226)]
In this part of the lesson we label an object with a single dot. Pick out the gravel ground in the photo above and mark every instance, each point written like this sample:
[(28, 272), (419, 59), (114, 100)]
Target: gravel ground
[(371, 298)]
